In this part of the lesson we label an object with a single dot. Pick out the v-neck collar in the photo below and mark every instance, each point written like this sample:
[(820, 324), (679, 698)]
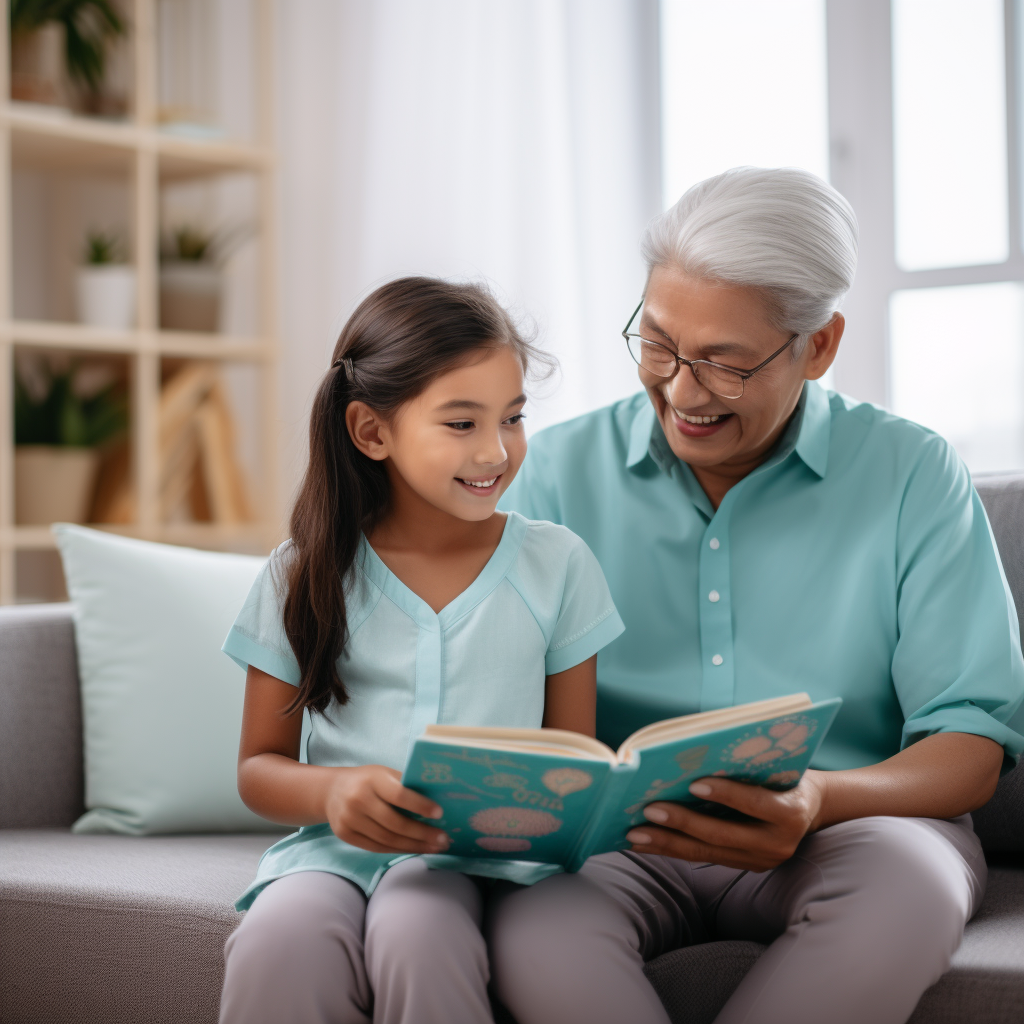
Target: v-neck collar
[(493, 572)]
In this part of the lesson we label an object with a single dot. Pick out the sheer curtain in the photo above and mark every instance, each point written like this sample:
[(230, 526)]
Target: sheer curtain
[(514, 141)]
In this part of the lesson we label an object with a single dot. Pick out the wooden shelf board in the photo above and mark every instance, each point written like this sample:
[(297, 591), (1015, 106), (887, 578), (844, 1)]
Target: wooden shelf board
[(186, 344), (195, 345), (255, 536), (180, 158), (54, 334), (58, 141)]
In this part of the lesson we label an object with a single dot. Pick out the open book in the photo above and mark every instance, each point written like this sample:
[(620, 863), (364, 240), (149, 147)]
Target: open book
[(560, 797)]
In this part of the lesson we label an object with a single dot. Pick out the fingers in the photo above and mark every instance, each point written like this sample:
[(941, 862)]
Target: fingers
[(370, 833), (704, 827), (650, 839), (361, 812), (758, 802), (392, 790), (780, 823)]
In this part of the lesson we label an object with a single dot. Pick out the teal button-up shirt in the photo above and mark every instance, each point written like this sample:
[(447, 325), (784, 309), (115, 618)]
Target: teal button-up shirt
[(856, 562)]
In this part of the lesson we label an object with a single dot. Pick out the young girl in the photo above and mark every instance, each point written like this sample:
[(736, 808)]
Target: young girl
[(403, 598)]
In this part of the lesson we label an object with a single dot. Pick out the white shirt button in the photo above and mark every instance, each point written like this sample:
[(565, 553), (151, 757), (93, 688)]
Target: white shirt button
[(714, 544), (717, 660), (714, 596)]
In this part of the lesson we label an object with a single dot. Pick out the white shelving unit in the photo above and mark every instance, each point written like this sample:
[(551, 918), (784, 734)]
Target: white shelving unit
[(148, 160)]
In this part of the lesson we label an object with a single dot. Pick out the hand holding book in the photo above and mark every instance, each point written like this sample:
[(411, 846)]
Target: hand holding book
[(557, 798), (768, 827)]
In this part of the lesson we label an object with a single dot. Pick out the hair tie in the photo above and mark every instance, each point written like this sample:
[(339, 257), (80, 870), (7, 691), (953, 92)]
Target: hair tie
[(349, 368)]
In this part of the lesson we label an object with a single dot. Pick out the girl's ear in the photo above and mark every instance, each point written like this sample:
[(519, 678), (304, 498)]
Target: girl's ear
[(367, 430)]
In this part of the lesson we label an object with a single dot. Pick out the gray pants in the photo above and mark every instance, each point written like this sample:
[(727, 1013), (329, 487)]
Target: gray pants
[(861, 921)]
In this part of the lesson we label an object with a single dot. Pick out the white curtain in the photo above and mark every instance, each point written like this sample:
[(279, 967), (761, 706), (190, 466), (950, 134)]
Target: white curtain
[(514, 141)]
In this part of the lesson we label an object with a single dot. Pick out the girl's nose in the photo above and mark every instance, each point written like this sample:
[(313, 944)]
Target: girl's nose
[(491, 452)]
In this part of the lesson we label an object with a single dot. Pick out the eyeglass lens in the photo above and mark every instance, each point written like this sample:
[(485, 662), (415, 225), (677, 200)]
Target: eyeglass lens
[(659, 360)]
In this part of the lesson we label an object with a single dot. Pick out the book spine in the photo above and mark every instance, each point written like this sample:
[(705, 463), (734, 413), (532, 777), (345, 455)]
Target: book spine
[(615, 784)]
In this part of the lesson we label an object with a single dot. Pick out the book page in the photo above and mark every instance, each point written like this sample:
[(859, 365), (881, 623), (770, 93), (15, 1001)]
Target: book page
[(708, 721), (558, 742)]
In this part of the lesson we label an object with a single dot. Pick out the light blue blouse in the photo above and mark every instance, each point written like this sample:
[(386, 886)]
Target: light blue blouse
[(540, 606)]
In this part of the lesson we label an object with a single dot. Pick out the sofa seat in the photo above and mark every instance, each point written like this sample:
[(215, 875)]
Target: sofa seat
[(125, 930), (985, 984), (117, 929)]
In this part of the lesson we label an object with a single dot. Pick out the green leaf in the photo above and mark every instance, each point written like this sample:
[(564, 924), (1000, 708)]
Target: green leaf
[(63, 418), (89, 27)]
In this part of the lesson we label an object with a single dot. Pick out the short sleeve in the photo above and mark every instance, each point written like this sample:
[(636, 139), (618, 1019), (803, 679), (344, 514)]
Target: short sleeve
[(257, 637), (957, 666), (587, 618)]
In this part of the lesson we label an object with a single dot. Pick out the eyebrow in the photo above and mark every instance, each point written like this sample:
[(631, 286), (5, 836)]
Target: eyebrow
[(466, 403), (714, 348)]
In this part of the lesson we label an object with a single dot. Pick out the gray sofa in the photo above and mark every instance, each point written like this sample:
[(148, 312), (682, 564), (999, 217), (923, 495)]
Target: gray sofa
[(130, 930)]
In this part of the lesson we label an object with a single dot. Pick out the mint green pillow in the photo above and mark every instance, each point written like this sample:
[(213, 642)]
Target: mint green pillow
[(161, 705)]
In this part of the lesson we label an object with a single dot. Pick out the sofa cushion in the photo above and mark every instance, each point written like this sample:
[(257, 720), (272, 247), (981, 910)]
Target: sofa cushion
[(985, 984), (1000, 823), (161, 706), (118, 929)]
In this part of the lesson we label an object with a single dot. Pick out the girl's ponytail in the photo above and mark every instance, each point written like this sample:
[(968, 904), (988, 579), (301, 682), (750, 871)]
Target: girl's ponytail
[(398, 340)]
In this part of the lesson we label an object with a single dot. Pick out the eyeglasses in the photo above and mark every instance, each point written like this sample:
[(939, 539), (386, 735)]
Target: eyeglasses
[(724, 381)]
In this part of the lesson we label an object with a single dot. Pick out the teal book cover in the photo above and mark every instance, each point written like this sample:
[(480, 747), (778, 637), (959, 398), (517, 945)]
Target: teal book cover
[(534, 795)]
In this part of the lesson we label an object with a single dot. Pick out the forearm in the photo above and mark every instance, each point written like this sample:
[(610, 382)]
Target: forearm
[(940, 776), (282, 789)]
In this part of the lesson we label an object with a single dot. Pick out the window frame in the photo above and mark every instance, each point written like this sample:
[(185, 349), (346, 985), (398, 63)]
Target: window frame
[(860, 109)]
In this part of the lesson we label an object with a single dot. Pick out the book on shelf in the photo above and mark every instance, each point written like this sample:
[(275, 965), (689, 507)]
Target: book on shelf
[(556, 797), (200, 479)]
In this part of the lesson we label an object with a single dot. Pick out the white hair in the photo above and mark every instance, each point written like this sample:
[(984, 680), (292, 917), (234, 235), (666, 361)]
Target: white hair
[(783, 231)]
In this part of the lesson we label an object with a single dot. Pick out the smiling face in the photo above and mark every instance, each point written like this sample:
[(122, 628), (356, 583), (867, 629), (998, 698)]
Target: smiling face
[(458, 444), (719, 437)]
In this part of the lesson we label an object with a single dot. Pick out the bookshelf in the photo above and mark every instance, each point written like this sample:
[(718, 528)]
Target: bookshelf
[(146, 160)]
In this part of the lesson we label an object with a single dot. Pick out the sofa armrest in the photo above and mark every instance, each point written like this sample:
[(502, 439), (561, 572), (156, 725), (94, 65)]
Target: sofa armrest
[(40, 718)]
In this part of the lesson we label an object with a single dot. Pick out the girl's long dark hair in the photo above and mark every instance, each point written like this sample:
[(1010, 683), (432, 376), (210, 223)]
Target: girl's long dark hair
[(399, 339)]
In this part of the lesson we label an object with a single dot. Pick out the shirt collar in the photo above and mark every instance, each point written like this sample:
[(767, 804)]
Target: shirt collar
[(807, 434)]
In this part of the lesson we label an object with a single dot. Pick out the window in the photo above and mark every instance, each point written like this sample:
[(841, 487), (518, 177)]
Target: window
[(923, 104), (743, 82)]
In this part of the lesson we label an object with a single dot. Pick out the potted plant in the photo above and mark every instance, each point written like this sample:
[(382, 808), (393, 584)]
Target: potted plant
[(191, 279), (75, 33), (106, 284), (58, 431)]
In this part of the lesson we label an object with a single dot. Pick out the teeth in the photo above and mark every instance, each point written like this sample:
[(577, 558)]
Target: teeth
[(700, 419), (480, 483)]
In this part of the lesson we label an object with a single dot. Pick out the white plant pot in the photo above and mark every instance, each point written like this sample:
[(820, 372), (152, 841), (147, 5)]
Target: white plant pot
[(106, 296), (53, 484), (190, 292)]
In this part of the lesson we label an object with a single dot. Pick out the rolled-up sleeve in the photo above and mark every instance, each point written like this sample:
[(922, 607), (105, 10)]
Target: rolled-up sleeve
[(957, 665)]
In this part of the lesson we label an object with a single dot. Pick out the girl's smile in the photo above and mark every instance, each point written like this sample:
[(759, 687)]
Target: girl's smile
[(482, 487)]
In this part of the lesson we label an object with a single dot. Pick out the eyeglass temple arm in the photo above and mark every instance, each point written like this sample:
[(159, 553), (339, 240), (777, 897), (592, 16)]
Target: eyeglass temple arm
[(746, 374), (629, 322)]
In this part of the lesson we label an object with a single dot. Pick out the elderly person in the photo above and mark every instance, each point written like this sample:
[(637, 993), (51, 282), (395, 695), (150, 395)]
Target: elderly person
[(762, 536)]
